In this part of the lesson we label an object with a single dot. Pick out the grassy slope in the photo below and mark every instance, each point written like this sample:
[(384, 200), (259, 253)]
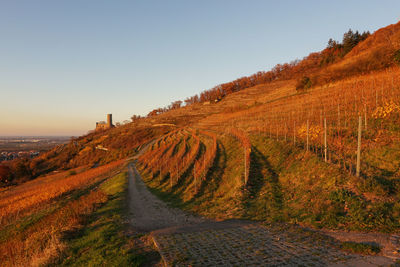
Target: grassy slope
[(297, 186), (102, 241), (28, 221), (35, 237)]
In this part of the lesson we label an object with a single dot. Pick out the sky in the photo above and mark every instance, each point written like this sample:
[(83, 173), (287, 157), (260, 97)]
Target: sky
[(65, 64)]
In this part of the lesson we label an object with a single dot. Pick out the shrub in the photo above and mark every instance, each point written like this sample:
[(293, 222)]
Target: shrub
[(396, 57), (71, 172), (5, 173), (362, 248), (304, 83)]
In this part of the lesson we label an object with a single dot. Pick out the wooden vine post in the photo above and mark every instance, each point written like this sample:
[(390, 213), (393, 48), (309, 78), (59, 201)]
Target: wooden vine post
[(160, 174), (338, 112), (308, 143), (170, 180), (359, 146), (294, 133), (195, 178), (285, 131), (177, 171), (204, 166), (325, 145), (245, 166)]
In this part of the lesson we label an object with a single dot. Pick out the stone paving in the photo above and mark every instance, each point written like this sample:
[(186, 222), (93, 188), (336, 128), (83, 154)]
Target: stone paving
[(251, 244)]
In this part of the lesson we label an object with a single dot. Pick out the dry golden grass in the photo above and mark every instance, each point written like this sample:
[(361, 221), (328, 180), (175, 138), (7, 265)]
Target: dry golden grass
[(25, 198), (42, 242), (39, 241)]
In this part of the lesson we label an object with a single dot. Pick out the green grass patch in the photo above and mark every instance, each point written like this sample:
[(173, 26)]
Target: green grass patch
[(101, 242), (21, 225), (313, 192), (361, 248)]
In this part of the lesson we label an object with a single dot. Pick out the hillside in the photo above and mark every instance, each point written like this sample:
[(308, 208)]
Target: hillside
[(269, 151), (277, 112), (287, 170)]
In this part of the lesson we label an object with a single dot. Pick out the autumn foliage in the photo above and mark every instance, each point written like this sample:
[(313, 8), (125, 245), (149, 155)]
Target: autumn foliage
[(5, 173), (31, 195), (205, 162), (172, 154), (42, 241)]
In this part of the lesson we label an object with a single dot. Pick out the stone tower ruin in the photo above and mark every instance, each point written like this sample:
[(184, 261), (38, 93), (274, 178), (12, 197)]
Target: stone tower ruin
[(109, 120), (102, 125)]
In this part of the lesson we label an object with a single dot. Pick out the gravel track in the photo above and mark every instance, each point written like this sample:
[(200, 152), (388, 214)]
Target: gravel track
[(148, 213)]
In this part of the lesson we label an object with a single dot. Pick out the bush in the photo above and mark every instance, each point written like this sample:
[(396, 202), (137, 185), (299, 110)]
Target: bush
[(304, 83), (362, 248), (396, 57), (71, 172), (5, 173)]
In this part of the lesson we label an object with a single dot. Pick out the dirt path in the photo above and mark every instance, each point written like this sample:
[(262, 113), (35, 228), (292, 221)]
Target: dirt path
[(183, 239), (148, 213)]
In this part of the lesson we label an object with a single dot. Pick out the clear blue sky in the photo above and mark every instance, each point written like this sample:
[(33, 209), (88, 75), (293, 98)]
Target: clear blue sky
[(65, 64)]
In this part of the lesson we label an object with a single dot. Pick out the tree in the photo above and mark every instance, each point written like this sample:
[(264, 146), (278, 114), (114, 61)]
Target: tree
[(21, 168), (396, 57), (5, 173), (304, 83), (135, 117), (156, 111), (351, 39), (176, 104)]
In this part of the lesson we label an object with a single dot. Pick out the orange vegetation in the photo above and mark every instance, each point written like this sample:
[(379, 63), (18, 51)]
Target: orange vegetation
[(41, 242), (29, 196), (205, 162), (172, 154)]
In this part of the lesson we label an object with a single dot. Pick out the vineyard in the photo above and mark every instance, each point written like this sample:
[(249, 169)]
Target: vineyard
[(345, 134), (326, 120), (187, 163)]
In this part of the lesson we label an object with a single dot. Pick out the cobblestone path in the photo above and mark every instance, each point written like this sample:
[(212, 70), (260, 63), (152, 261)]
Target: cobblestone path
[(252, 244)]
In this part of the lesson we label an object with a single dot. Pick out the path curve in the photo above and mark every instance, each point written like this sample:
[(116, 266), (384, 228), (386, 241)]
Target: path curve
[(148, 213)]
